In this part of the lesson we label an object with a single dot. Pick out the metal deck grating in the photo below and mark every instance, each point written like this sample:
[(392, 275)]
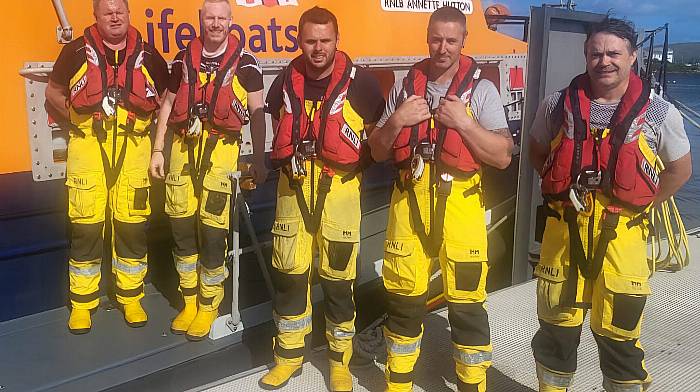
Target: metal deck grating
[(669, 336)]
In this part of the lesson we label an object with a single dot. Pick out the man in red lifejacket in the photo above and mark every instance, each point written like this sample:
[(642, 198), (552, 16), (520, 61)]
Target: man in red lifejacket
[(215, 89), (321, 105), (105, 88), (440, 125), (596, 145)]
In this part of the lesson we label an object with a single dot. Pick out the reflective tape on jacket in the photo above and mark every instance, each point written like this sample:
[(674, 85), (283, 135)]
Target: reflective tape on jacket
[(629, 174), (225, 111), (451, 150), (285, 325), (92, 270), (337, 143), (128, 268), (402, 348), (471, 358), (137, 92)]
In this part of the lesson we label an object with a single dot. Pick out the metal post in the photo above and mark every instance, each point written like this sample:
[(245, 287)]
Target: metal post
[(648, 75), (64, 32), (664, 59)]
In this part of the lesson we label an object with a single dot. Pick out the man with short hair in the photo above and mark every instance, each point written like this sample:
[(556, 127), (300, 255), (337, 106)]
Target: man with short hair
[(441, 124), (321, 104), (104, 87), (216, 87), (596, 145)]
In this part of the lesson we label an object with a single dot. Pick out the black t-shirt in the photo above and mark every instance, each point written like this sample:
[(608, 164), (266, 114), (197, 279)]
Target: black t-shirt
[(248, 72), (72, 57), (364, 94)]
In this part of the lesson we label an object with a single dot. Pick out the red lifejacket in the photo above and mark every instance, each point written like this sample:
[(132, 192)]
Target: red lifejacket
[(337, 144), (628, 178), (225, 112), (450, 149), (135, 91)]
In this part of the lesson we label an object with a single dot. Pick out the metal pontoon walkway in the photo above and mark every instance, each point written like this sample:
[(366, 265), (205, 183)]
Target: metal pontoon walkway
[(669, 335)]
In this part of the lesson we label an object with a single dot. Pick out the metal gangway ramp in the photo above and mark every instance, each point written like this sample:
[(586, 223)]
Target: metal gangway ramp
[(669, 336)]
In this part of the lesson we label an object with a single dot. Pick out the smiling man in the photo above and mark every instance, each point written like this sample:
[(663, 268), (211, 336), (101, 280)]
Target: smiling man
[(321, 105), (216, 88), (440, 125), (105, 87), (596, 145)]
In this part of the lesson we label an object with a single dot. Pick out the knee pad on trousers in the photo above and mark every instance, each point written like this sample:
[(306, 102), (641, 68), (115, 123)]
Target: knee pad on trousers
[(213, 249), (469, 323), (130, 240), (555, 347), (405, 314), (340, 306), (339, 254), (621, 360), (86, 241), (290, 292), (184, 235)]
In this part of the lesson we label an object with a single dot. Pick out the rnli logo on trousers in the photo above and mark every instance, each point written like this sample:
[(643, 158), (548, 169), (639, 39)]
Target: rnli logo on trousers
[(549, 271), (394, 245), (281, 227)]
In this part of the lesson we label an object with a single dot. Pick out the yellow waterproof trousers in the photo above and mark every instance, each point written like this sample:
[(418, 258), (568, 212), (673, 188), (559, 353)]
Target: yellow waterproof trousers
[(337, 243), (200, 239), (407, 270), (110, 169), (615, 297)]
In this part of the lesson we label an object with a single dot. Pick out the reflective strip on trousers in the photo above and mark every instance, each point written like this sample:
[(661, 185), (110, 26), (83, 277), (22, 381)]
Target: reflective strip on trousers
[(470, 359), (552, 379), (342, 334), (185, 267), (402, 348), (212, 280), (611, 386), (93, 270), (284, 325), (129, 269)]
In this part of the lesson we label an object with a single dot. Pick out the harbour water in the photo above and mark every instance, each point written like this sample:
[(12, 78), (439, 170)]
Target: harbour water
[(686, 89)]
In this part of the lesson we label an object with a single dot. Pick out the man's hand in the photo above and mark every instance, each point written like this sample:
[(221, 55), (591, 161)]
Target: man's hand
[(259, 172), (452, 114), (412, 111), (157, 166)]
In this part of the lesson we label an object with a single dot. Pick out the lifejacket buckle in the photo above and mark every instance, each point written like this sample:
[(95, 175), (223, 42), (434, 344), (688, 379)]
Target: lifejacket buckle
[(581, 199), (589, 179), (297, 167), (307, 149), (417, 167), (200, 110), (425, 150)]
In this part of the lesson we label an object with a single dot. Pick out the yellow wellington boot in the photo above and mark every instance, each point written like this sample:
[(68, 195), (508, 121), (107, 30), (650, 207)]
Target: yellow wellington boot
[(79, 321), (279, 375), (341, 379), (200, 326), (134, 315), (181, 323)]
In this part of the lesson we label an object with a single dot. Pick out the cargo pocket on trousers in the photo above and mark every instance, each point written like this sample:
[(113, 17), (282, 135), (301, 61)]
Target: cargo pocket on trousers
[(138, 196), (400, 269), (215, 198), (550, 292), (466, 272), (284, 245), (81, 195), (623, 304), (339, 252), (176, 194)]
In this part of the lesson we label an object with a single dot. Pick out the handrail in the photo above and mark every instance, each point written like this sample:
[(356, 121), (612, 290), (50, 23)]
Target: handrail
[(64, 32)]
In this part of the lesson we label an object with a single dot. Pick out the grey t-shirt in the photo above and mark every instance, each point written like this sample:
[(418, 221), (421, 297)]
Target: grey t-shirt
[(485, 103), (665, 133)]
